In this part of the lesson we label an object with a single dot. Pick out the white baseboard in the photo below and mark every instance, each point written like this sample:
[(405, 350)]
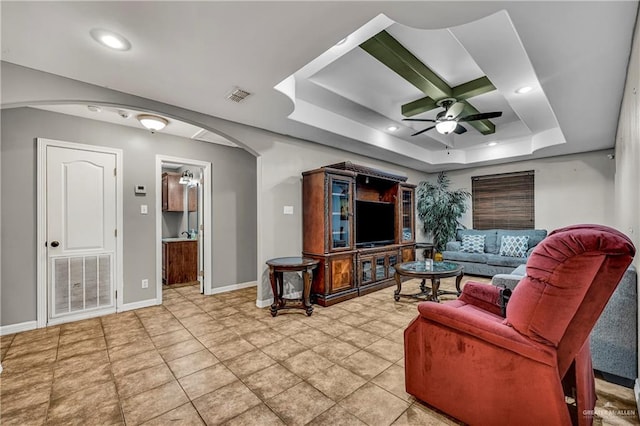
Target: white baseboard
[(218, 290), (636, 392), (17, 328), (138, 305)]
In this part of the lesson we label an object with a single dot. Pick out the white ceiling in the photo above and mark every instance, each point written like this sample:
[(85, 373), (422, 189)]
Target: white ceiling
[(192, 54)]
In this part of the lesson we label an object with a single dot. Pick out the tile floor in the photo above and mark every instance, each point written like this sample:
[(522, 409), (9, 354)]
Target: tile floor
[(220, 360)]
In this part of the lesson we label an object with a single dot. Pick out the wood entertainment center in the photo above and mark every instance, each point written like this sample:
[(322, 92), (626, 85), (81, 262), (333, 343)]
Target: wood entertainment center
[(358, 222)]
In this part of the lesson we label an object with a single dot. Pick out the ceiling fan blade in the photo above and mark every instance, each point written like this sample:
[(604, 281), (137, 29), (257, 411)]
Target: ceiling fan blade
[(419, 119), (422, 131), (459, 130), (455, 110), (481, 116)]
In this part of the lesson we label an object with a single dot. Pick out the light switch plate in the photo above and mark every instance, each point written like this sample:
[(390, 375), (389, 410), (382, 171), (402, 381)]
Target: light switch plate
[(144, 209), (288, 210)]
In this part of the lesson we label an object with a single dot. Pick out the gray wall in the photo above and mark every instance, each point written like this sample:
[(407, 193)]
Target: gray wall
[(233, 198)]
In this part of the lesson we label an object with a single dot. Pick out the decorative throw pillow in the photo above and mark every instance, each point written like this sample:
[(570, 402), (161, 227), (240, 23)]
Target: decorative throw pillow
[(472, 244), (514, 246)]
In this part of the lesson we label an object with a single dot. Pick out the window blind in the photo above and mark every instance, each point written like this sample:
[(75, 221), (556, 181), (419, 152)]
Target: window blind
[(504, 201)]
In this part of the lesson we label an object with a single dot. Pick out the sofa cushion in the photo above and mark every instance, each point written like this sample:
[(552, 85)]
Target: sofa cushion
[(473, 243), (461, 256), (498, 260), (514, 245), (490, 238), (535, 235)]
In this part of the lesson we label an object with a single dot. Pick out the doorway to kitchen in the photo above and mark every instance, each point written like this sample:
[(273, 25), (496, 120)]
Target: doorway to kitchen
[(183, 223)]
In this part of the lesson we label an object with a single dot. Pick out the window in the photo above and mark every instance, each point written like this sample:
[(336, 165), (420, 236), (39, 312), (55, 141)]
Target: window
[(504, 201)]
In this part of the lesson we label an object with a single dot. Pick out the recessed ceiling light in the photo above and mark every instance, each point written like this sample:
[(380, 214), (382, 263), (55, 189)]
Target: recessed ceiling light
[(392, 128), (152, 122), (341, 42), (110, 39), (94, 108), (524, 89), (492, 143)]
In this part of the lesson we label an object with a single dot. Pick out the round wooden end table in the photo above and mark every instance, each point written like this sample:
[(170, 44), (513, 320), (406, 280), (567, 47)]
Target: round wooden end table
[(439, 270), (277, 268)]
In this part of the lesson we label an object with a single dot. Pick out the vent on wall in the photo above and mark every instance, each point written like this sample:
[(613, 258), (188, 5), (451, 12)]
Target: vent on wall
[(238, 95)]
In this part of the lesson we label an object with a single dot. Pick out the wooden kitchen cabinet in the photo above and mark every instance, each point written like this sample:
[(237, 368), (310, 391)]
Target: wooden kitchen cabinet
[(179, 261), (173, 194)]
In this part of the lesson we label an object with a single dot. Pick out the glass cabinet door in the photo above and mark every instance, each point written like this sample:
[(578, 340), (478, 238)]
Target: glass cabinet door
[(407, 215), (340, 214)]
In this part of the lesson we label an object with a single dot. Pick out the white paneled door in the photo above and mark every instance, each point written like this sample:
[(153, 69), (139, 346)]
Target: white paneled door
[(81, 232)]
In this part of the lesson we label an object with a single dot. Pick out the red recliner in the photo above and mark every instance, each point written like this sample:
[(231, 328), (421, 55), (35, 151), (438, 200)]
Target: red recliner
[(463, 358)]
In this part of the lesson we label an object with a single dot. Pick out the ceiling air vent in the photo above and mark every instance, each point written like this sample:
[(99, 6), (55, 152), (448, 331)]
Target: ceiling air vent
[(238, 95)]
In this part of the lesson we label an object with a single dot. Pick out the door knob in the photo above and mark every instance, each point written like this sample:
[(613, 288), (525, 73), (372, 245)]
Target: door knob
[(55, 243)]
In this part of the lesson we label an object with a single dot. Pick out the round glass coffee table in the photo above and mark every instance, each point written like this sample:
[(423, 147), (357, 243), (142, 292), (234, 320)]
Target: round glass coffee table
[(438, 270)]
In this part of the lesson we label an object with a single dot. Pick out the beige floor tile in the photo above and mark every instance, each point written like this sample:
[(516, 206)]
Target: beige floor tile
[(416, 415), (185, 415), (207, 380), (15, 382), (365, 364), (224, 312), (336, 416), (338, 328), (84, 404), (171, 338), (127, 351), (37, 334), (88, 333), (283, 349), (136, 362), (193, 362), (157, 327), (143, 380), (335, 350), (387, 349), (312, 338), (150, 404), (225, 403), (271, 381), (77, 380), (231, 349), (354, 319), (392, 380), (258, 415), (25, 397), (29, 361), (82, 347), (306, 363), (32, 415), (217, 338), (380, 328), (125, 337), (336, 382), (249, 363), (291, 327), (178, 350), (374, 405), (263, 338), (359, 338), (35, 346), (300, 404)]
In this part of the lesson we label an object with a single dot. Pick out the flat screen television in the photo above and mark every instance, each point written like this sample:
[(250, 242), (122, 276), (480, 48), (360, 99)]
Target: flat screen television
[(375, 223)]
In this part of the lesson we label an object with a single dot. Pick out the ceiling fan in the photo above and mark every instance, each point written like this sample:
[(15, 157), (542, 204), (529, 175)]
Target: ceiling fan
[(447, 121)]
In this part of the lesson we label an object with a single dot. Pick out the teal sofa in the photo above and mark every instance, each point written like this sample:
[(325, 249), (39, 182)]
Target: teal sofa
[(489, 262)]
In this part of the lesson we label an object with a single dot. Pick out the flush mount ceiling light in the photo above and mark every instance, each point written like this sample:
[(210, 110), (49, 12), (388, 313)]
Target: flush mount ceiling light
[(110, 39), (446, 127), (524, 89), (152, 122), (392, 128), (492, 143)]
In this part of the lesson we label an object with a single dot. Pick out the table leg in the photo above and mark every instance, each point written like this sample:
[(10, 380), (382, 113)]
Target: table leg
[(423, 286), (396, 294), (435, 287), (306, 291), (458, 280), (274, 288)]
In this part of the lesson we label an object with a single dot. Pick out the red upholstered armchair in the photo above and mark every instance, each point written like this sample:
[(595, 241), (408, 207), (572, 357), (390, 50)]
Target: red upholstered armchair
[(465, 359)]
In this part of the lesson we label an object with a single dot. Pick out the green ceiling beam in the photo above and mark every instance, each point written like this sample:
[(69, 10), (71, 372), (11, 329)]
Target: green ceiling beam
[(394, 55), (473, 88), (390, 52), (418, 107)]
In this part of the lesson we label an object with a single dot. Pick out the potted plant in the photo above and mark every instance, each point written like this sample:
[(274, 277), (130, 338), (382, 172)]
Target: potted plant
[(440, 209)]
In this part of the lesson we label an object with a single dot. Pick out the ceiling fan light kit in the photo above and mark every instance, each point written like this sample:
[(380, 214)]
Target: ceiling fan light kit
[(446, 127)]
